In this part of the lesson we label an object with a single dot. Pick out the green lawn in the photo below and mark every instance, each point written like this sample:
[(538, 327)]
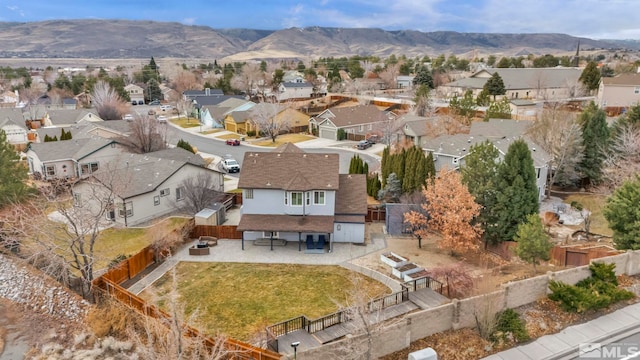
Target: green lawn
[(594, 203), (240, 300), (186, 123)]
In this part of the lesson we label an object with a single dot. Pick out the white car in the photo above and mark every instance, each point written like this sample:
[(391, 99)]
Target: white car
[(162, 119), (166, 107), (127, 117), (230, 165)]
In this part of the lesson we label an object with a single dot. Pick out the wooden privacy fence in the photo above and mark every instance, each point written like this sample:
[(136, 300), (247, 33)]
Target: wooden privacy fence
[(237, 349), (219, 231), (131, 267), (578, 255), (375, 214)]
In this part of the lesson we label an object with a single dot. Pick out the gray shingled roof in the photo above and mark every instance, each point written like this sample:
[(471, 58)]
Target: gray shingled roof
[(417, 124), (524, 78), (287, 147), (69, 116), (12, 116), (140, 173), (75, 149), (178, 154), (291, 171), (297, 85), (354, 115), (626, 79), (351, 198)]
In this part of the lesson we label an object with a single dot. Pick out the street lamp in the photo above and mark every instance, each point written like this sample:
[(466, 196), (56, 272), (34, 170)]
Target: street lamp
[(294, 345)]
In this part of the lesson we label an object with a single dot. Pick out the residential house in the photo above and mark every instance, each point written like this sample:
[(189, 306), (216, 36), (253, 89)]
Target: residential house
[(70, 159), (522, 83), (293, 76), (214, 115), (144, 187), (414, 128), (292, 195), (168, 94), (355, 121), (294, 90), (9, 99), (13, 124), (41, 116), (69, 103), (404, 81), (620, 91), (522, 109), (243, 121), (136, 93), (197, 94), (450, 150)]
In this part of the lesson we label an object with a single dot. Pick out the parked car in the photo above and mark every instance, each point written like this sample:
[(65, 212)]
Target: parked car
[(374, 139), (230, 165), (151, 112), (127, 117), (166, 107), (233, 142), (363, 144), (140, 102), (162, 119), (133, 102), (155, 102)]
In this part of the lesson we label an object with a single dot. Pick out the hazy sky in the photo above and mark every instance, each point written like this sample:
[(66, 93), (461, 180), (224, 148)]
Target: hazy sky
[(590, 18)]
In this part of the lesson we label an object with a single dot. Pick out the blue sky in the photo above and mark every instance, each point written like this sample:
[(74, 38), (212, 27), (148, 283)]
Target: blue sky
[(591, 18)]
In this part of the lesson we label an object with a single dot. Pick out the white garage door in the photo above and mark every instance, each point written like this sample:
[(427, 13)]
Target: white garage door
[(328, 134)]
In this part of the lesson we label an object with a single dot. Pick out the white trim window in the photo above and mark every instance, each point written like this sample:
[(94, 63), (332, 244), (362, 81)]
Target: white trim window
[(636, 90), (307, 195), (296, 198), (319, 198), (248, 193), (165, 192), (179, 193), (50, 170), (125, 209), (156, 200), (269, 234), (88, 168)]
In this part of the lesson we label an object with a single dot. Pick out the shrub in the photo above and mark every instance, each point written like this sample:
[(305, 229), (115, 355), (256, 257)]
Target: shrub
[(509, 328), (341, 134), (251, 133), (595, 292)]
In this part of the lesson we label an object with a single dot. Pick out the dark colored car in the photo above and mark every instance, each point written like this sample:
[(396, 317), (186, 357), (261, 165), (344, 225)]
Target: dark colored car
[(233, 142), (364, 144), (133, 102)]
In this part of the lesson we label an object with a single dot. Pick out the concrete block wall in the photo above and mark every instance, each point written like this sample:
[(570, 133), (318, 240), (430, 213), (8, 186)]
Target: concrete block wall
[(481, 305), (571, 276), (633, 265), (620, 260), (395, 337), (525, 291), (425, 323)]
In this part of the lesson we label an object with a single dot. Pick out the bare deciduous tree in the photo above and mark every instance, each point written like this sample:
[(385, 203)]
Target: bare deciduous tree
[(107, 102), (560, 135), (185, 107), (622, 161), (185, 80), (199, 192), (445, 125), (390, 75), (146, 134), (270, 119)]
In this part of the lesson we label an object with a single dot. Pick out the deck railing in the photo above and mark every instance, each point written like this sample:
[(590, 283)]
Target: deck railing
[(424, 283), (326, 321), (389, 300)]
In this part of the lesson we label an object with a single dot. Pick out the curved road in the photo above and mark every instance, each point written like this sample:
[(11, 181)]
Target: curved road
[(218, 147)]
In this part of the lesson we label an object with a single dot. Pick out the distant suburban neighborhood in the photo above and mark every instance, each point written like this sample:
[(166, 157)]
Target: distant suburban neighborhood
[(355, 207)]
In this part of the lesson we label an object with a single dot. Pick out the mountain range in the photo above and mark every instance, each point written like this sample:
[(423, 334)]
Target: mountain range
[(113, 39)]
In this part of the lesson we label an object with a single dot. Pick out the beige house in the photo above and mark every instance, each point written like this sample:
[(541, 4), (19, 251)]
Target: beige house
[(136, 93), (621, 91), (523, 83)]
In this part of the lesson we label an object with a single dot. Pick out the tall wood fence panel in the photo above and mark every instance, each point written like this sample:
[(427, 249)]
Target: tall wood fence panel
[(375, 214), (219, 231), (131, 267), (578, 255)]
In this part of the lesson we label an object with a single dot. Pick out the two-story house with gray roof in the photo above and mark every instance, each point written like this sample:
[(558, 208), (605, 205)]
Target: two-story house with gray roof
[(292, 195), (294, 90), (143, 187), (450, 150), (13, 125)]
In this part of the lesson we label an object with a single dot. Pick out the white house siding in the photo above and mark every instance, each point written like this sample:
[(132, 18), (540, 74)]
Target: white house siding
[(348, 233), (267, 202), (15, 134), (618, 95), (62, 169), (112, 152)]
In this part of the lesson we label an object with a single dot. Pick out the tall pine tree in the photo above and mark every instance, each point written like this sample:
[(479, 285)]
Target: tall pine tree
[(518, 193), (595, 138), (13, 174)]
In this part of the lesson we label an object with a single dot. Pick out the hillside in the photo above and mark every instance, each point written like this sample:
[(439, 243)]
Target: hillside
[(112, 39)]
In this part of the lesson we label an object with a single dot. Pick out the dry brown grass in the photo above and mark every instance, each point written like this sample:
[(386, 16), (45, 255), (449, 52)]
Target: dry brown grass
[(285, 138)]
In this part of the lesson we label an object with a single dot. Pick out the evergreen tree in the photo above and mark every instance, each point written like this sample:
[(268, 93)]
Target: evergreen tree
[(498, 110), (392, 190), (495, 86), (590, 76), (518, 193), (153, 90), (47, 138), (385, 165), (423, 77), (621, 212), (185, 145), (480, 175), (630, 118), (595, 138), (465, 107), (533, 242), (13, 174)]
